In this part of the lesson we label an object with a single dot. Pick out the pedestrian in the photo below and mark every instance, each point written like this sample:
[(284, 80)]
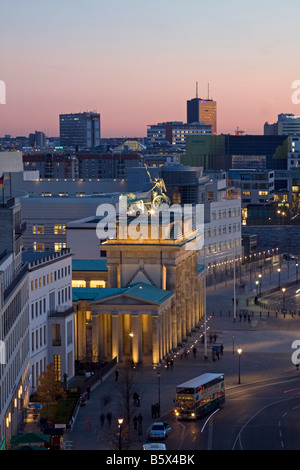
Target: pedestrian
[(135, 422), (102, 419), (116, 375), (222, 349), (109, 418), (88, 392), (136, 399), (194, 351), (172, 363), (157, 409), (140, 419), (215, 337)]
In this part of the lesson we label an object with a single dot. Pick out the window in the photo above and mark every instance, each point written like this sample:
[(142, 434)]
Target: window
[(59, 246), (38, 229), (59, 229), (40, 247), (56, 335), (95, 283), (79, 283)]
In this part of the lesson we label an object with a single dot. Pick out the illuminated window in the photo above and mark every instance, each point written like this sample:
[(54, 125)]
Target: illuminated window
[(57, 367), (246, 193), (59, 246), (262, 193), (96, 283), (40, 247), (38, 229), (59, 229), (79, 283)]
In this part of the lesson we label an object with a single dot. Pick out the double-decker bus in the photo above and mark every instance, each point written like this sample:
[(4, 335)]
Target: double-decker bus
[(199, 396)]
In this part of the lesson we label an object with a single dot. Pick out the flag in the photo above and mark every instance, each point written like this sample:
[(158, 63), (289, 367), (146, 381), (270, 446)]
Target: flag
[(6, 179)]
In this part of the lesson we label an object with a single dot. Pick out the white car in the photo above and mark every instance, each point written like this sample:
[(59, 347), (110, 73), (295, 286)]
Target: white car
[(159, 430), (154, 446)]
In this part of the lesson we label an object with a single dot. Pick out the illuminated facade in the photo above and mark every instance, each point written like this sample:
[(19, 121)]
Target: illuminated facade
[(155, 296), (201, 110)]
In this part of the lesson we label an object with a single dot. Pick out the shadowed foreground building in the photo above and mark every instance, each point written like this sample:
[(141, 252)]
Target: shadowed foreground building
[(155, 296)]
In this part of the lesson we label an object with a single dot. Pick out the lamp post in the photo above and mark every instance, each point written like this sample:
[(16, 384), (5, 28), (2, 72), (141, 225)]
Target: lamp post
[(239, 351), (283, 300), (120, 422), (279, 270), (297, 273), (260, 281), (158, 378), (257, 283)]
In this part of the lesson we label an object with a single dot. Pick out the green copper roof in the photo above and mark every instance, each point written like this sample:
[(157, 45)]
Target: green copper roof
[(140, 290), (89, 265)]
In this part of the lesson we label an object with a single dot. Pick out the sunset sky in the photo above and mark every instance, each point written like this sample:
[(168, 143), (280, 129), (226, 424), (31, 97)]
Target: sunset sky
[(136, 62)]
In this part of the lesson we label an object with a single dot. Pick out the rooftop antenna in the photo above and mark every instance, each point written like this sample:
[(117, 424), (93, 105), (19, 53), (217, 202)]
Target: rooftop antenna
[(208, 91), (196, 89)]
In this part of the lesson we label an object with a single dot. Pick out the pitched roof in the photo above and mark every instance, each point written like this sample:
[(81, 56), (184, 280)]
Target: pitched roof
[(140, 291)]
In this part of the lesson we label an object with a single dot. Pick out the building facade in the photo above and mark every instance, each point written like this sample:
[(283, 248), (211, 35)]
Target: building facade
[(50, 309), (79, 130), (14, 324), (202, 110), (155, 295), (175, 132)]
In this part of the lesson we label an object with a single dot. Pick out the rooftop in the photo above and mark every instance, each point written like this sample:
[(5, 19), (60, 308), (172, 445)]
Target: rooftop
[(140, 290)]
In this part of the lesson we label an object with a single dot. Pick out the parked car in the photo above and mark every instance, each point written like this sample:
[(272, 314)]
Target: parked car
[(159, 430), (154, 446)]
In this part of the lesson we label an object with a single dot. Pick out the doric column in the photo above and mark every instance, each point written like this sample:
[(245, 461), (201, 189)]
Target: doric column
[(95, 338), (135, 339), (115, 336), (155, 340)]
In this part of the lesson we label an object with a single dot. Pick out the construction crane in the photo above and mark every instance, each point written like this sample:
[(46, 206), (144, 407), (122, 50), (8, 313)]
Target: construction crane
[(238, 131)]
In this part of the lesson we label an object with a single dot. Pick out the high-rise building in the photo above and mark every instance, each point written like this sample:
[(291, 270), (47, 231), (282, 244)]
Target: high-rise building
[(202, 110), (175, 132), (287, 124), (79, 130)]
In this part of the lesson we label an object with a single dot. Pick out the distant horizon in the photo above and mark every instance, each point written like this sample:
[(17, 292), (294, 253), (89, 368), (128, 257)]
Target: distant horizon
[(137, 63)]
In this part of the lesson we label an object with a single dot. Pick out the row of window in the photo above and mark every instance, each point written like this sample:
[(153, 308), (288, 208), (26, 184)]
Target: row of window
[(220, 247), (38, 338), (222, 214), (40, 247), (58, 229), (222, 230), (50, 277)]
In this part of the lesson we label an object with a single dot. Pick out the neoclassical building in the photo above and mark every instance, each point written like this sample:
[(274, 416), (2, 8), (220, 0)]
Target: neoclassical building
[(154, 294)]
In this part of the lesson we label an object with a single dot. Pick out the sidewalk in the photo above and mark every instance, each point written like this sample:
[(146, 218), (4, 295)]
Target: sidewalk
[(266, 343)]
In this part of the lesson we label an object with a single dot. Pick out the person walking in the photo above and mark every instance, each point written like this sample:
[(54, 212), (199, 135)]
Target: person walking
[(116, 375), (102, 419)]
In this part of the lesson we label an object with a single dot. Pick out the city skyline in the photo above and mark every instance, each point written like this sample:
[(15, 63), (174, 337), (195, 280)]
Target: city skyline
[(137, 64)]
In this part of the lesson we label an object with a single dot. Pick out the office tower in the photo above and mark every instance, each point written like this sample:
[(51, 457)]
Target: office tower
[(175, 132), (79, 130), (202, 110)]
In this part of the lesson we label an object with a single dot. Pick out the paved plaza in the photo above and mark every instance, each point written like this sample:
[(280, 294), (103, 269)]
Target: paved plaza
[(265, 340)]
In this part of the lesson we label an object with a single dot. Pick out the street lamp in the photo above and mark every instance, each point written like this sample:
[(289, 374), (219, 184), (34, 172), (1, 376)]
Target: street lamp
[(158, 378), (283, 299), (257, 283), (239, 351), (120, 422), (279, 270), (260, 279)]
